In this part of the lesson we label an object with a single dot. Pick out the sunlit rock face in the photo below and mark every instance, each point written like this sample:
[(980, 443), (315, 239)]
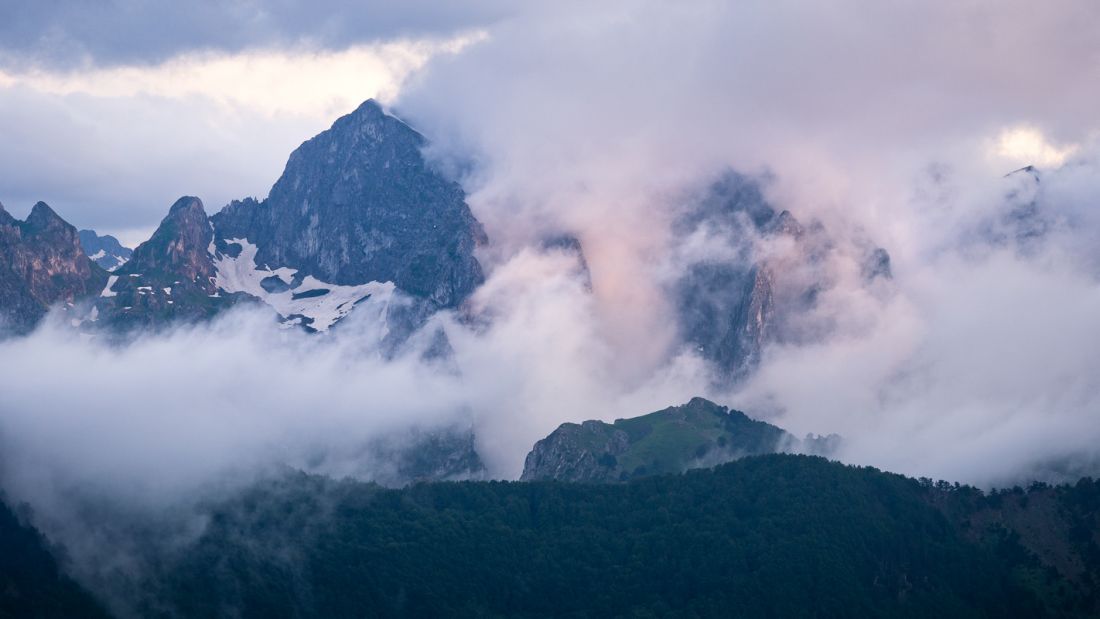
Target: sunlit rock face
[(41, 264), (180, 246), (358, 203)]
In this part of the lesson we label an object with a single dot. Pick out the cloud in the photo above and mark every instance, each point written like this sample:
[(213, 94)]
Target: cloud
[(165, 419), (1025, 146), (976, 369), (269, 82), (144, 435), (70, 34), (894, 124), (590, 114)]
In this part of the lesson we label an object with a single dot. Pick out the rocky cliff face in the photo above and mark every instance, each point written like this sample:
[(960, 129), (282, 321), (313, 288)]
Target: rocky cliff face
[(41, 264), (358, 203), (727, 296), (169, 278), (105, 250), (180, 247), (697, 434), (751, 274)]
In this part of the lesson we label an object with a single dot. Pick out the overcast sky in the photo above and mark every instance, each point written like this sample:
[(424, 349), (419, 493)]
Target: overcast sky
[(110, 111)]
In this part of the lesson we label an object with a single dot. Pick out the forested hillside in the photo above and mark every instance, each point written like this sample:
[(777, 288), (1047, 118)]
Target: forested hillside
[(766, 536), (31, 584), (780, 536)]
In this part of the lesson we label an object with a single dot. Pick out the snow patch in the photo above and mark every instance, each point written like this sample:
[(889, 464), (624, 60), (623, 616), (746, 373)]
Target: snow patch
[(107, 292), (241, 274), (211, 249), (119, 261), (99, 254)]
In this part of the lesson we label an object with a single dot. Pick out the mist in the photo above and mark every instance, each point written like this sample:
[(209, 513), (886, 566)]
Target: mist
[(882, 127), (893, 127), (163, 421)]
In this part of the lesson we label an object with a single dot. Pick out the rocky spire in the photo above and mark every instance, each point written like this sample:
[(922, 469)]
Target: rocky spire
[(359, 203), (179, 248)]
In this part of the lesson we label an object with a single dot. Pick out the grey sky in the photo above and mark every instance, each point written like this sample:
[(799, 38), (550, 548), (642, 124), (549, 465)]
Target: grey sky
[(66, 33), (91, 125)]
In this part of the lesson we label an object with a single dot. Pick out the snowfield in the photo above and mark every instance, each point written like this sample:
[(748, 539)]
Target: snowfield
[(324, 303)]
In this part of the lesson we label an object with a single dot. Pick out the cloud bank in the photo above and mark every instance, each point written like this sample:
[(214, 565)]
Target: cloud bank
[(894, 124)]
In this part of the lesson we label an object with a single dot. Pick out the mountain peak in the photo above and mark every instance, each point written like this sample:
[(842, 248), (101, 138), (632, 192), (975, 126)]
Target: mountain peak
[(42, 216), (701, 402), (359, 203), (187, 204), (370, 106), (179, 246)]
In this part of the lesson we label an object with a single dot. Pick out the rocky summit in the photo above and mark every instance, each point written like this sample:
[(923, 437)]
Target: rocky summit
[(359, 203), (170, 278)]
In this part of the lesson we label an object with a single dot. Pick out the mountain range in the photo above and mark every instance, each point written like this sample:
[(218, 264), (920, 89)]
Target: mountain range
[(359, 218), (361, 222)]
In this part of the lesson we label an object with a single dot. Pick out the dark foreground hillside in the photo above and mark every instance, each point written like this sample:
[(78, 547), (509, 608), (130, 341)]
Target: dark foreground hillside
[(772, 536), (767, 536), (31, 585)]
